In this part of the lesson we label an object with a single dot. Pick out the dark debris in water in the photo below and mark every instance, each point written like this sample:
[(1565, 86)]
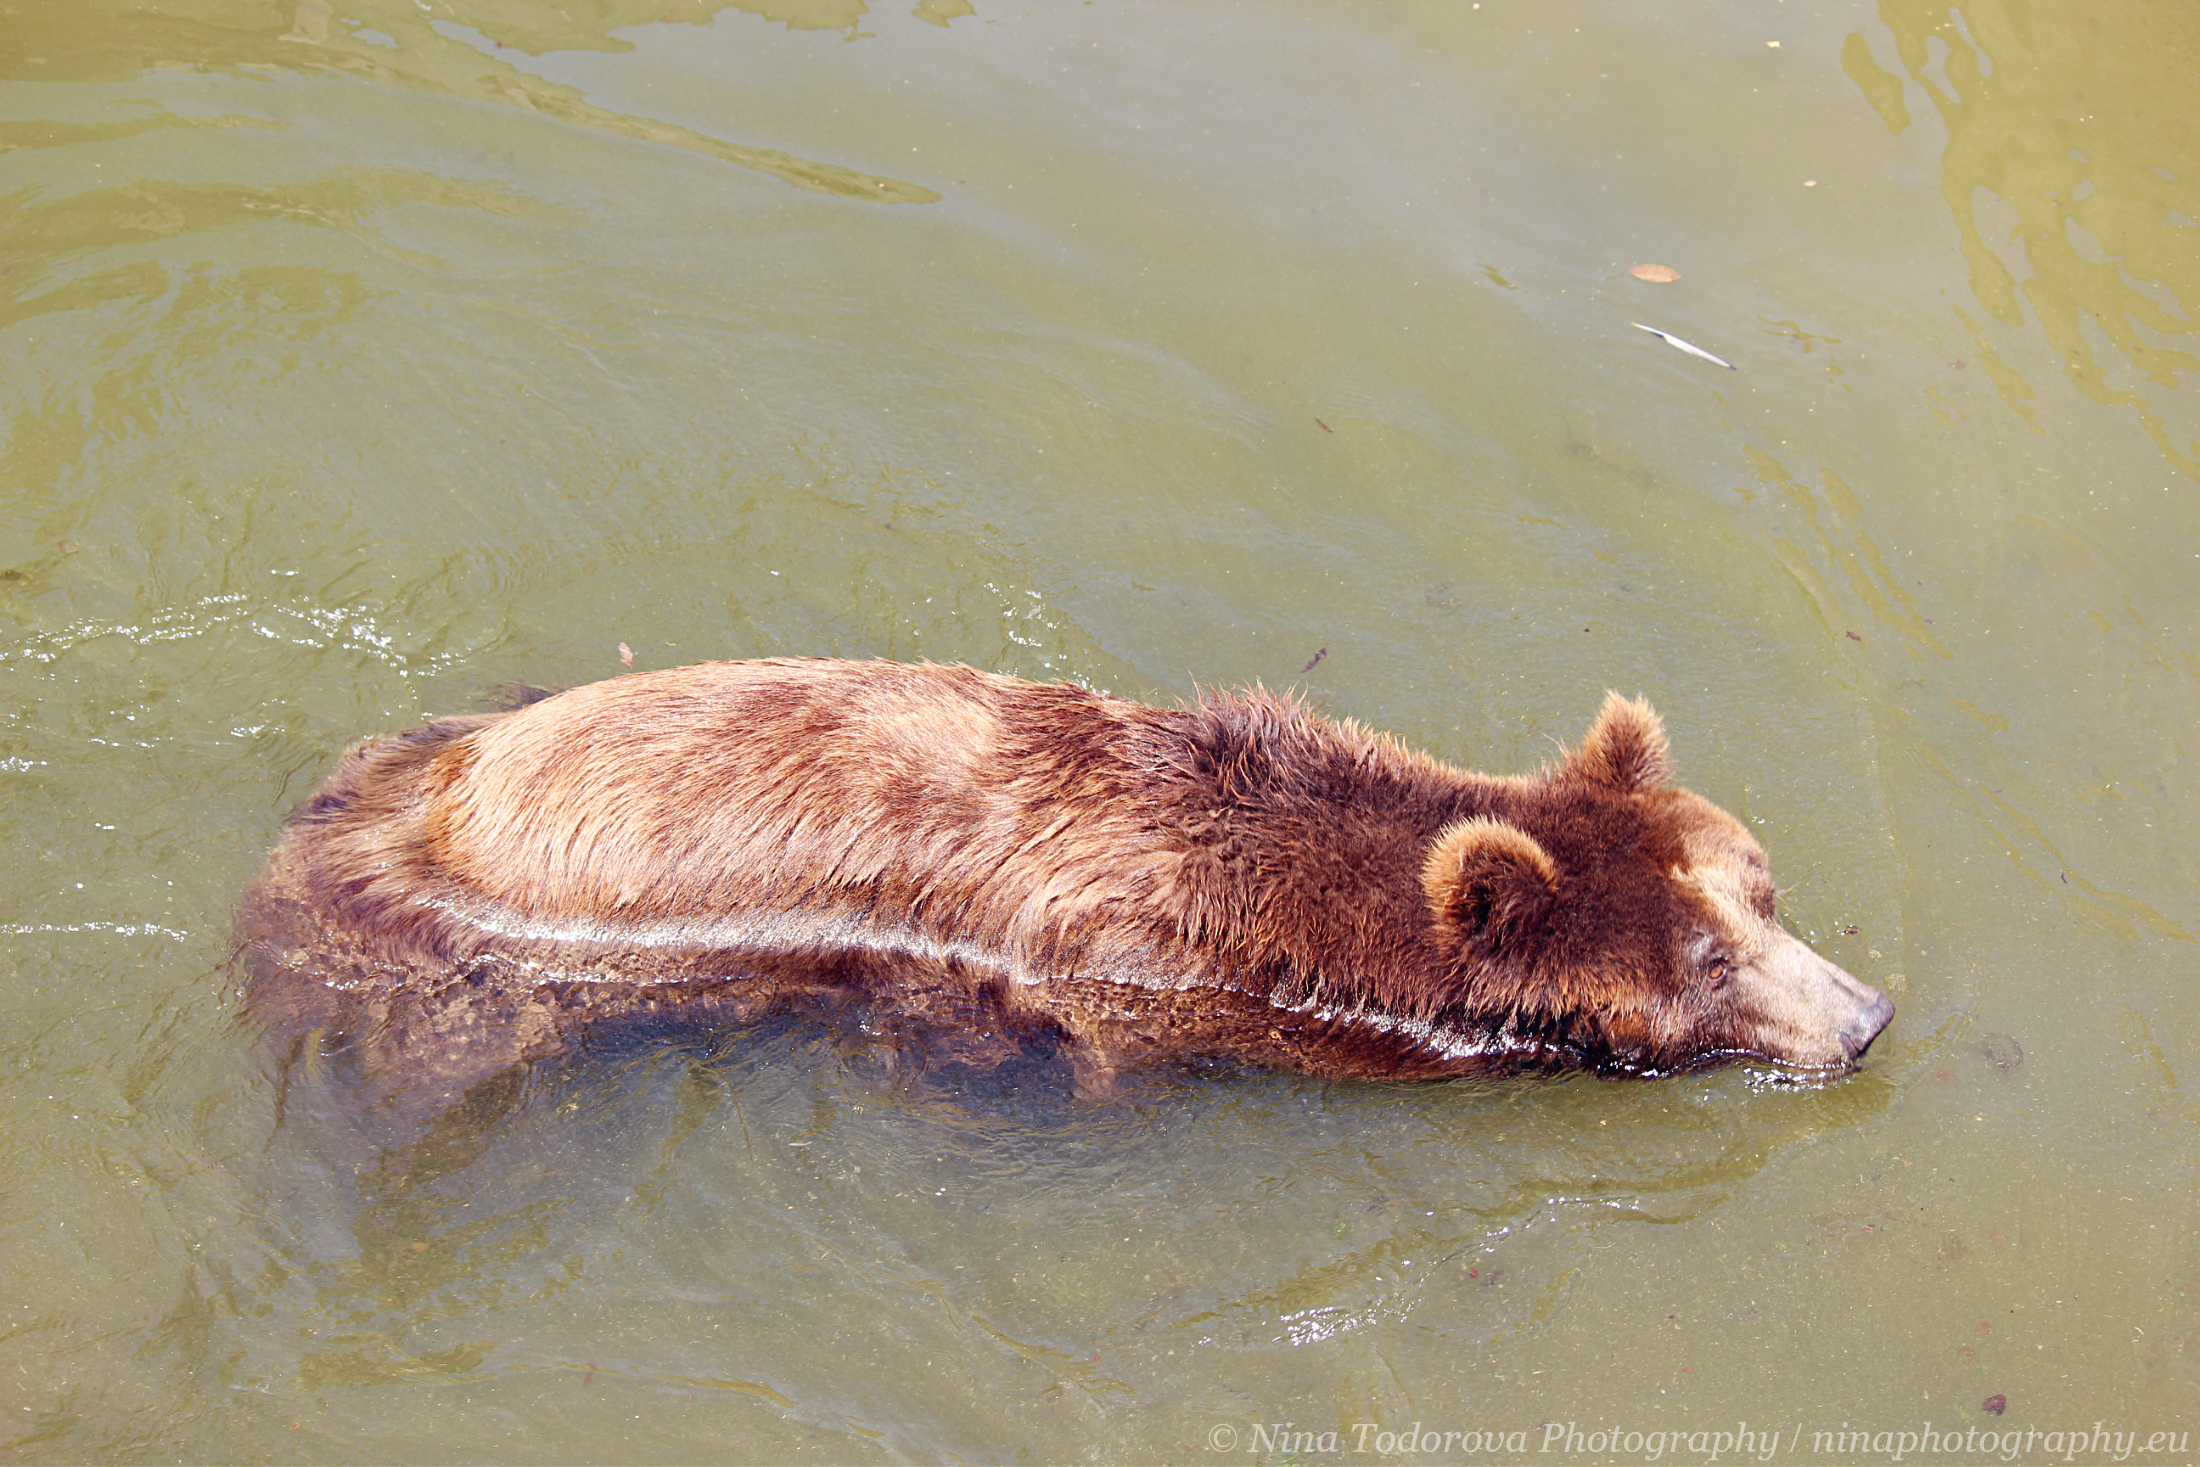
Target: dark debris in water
[(2001, 1051)]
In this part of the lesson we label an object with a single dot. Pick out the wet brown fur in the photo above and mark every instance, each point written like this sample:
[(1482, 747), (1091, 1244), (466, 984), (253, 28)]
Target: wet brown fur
[(995, 861)]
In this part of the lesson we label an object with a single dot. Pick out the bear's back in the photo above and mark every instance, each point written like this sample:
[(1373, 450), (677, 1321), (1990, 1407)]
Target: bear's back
[(776, 785)]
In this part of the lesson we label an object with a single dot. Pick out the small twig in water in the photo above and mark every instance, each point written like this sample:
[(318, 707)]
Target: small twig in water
[(1691, 348)]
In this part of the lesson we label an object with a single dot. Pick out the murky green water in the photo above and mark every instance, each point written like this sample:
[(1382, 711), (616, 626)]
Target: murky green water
[(359, 358)]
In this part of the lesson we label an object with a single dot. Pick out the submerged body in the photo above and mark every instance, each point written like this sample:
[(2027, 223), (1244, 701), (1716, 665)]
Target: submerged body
[(991, 861)]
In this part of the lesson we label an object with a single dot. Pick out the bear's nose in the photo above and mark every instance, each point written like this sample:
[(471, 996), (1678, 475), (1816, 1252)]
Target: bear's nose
[(1858, 1034)]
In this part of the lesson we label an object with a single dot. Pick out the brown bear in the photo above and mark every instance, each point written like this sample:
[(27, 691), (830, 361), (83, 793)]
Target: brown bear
[(990, 860)]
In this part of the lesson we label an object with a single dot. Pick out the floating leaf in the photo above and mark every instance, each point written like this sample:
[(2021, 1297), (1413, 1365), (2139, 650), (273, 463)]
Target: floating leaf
[(1655, 274), (1994, 1405)]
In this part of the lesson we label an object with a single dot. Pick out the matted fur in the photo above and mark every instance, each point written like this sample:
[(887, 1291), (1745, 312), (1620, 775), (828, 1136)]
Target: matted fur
[(1001, 860)]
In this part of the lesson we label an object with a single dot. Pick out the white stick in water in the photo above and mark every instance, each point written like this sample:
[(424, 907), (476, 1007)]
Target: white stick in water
[(1687, 346)]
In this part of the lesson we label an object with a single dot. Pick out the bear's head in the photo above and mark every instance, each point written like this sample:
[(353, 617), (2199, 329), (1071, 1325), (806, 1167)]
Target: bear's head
[(1600, 909)]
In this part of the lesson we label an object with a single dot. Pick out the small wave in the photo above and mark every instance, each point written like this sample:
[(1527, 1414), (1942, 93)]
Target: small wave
[(120, 929)]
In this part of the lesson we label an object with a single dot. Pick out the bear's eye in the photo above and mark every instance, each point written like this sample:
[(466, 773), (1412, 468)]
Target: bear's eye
[(1714, 973)]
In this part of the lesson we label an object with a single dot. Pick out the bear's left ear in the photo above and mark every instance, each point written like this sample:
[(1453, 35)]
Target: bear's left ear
[(1490, 886), (1625, 749)]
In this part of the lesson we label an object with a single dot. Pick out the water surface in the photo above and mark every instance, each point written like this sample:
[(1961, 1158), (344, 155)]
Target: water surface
[(363, 359)]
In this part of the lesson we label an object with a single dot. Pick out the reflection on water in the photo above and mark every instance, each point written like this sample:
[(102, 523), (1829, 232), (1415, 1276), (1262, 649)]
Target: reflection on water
[(2083, 145), (972, 1220), (419, 47)]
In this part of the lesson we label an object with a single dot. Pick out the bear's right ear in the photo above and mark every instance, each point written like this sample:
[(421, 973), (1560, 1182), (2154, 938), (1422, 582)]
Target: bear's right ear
[(1490, 886)]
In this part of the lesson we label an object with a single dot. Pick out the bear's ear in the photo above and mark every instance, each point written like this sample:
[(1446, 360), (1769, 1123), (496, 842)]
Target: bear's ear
[(1625, 749), (1490, 886)]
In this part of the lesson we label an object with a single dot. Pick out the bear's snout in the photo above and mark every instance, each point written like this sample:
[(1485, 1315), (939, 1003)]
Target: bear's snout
[(1802, 1009), (1857, 1035), (1867, 1008)]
